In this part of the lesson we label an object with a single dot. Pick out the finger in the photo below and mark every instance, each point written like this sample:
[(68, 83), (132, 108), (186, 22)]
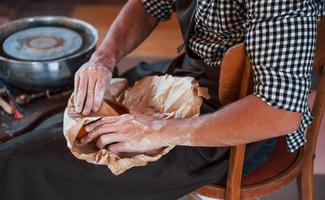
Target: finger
[(72, 113), (89, 96), (76, 86), (99, 95), (104, 120), (119, 148), (98, 131), (109, 139), (82, 89)]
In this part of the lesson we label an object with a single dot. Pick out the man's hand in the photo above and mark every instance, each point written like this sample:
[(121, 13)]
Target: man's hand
[(126, 133), (129, 29), (90, 85)]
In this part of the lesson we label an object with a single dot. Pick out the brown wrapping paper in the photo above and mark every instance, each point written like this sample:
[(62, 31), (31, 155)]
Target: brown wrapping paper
[(163, 96)]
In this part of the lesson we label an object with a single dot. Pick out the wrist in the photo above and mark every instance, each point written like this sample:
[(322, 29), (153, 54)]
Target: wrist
[(175, 132), (108, 61)]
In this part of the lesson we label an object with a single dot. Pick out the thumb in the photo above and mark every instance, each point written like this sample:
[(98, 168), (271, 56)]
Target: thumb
[(118, 148)]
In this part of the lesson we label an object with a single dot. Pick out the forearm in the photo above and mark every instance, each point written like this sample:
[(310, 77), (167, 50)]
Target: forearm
[(129, 29), (247, 120)]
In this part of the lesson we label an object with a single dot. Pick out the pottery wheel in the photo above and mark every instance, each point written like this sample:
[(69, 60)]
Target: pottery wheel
[(42, 43)]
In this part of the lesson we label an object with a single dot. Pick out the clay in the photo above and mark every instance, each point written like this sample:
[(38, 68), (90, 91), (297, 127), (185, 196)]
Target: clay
[(158, 124)]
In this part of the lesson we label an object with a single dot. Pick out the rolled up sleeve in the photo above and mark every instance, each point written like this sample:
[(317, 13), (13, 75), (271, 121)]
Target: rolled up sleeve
[(280, 41), (160, 9)]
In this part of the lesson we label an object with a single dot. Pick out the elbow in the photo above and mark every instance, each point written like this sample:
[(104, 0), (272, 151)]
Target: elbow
[(288, 123)]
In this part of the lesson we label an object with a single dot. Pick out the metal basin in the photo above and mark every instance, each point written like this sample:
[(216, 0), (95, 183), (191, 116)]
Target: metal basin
[(48, 74)]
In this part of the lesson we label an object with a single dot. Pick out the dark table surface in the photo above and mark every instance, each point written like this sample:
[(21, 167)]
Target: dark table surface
[(35, 113)]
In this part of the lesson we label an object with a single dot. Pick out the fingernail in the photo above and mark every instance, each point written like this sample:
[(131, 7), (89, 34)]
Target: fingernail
[(87, 128)]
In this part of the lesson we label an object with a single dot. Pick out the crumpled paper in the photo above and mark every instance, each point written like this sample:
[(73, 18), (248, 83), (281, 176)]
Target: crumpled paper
[(164, 96)]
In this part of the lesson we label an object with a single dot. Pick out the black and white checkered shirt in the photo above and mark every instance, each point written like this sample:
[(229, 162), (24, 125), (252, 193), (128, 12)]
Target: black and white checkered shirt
[(279, 35)]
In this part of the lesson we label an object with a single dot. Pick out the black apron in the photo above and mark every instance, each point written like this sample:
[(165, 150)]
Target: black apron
[(39, 165)]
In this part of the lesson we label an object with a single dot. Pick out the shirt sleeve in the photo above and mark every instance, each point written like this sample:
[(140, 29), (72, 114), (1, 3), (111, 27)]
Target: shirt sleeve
[(280, 41), (160, 9)]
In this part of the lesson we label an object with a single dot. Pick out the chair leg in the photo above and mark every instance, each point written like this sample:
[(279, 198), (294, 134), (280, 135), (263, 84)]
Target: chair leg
[(299, 187), (305, 183)]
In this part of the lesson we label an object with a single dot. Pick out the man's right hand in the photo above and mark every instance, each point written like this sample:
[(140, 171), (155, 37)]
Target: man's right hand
[(129, 29), (89, 86)]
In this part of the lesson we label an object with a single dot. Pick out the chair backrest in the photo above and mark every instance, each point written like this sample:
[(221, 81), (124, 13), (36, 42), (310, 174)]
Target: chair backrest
[(319, 103), (231, 72), (236, 81)]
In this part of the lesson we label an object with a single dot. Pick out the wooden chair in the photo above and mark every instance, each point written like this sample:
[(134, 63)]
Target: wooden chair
[(281, 167)]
